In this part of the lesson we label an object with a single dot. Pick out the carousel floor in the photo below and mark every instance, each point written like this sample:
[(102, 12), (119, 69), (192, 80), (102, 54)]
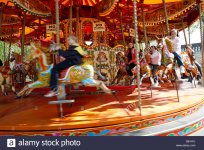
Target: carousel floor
[(33, 113)]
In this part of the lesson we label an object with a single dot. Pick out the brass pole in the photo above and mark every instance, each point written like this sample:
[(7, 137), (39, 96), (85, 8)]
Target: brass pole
[(77, 22), (166, 16), (23, 35), (57, 22), (10, 45), (144, 26), (9, 54), (184, 32), (70, 17), (201, 17), (4, 50), (137, 57), (1, 14), (189, 35), (121, 26)]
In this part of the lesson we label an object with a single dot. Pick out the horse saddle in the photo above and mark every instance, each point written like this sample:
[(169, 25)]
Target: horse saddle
[(62, 73), (75, 73)]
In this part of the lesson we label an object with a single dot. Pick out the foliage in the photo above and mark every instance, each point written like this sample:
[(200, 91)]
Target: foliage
[(14, 48), (195, 26)]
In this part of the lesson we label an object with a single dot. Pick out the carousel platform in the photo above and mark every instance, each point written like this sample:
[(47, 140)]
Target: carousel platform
[(97, 114)]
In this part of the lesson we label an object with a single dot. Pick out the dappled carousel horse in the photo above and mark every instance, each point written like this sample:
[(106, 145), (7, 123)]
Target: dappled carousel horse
[(191, 70), (21, 69), (83, 74), (6, 78), (121, 63), (193, 61), (18, 68), (191, 67), (30, 69), (145, 71)]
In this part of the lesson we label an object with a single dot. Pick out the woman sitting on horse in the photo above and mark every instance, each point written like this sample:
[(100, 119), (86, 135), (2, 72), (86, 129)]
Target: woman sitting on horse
[(155, 63), (131, 55), (176, 49), (73, 56)]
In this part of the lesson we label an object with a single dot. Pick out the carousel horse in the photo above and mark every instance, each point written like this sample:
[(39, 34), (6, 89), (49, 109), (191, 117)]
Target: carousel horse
[(121, 63), (145, 71), (22, 69), (30, 69), (191, 69), (6, 78), (167, 61), (83, 74), (18, 68)]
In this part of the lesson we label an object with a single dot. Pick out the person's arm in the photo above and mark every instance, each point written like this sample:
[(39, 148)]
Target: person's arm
[(68, 54), (62, 53)]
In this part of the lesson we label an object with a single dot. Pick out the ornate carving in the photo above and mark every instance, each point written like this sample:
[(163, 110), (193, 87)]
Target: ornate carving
[(10, 20), (6, 32), (106, 7)]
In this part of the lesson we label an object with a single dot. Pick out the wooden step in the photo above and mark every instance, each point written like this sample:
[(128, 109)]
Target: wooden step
[(180, 127)]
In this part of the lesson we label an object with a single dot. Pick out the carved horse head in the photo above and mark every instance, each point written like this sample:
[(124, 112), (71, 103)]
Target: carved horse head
[(37, 53)]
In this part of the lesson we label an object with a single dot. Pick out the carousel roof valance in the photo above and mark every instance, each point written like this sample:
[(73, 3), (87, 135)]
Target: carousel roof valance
[(79, 2), (159, 1), (10, 20), (34, 7)]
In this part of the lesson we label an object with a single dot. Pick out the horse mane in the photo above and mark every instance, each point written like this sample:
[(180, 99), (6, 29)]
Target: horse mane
[(47, 53)]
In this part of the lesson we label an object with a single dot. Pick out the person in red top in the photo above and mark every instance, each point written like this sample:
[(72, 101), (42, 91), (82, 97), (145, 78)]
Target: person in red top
[(131, 55)]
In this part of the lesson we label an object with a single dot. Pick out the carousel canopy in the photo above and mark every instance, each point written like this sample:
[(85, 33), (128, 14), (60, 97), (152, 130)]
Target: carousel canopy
[(79, 2), (115, 13), (158, 1)]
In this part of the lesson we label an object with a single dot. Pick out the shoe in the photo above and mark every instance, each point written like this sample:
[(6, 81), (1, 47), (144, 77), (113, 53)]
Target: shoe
[(28, 79), (156, 84), (50, 94), (182, 69)]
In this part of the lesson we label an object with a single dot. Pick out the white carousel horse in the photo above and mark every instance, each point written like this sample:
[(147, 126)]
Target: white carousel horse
[(83, 74)]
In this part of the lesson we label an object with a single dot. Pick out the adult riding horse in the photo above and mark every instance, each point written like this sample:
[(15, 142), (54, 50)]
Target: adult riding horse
[(145, 69), (76, 74)]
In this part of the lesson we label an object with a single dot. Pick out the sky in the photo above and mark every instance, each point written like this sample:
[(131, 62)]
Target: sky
[(195, 37)]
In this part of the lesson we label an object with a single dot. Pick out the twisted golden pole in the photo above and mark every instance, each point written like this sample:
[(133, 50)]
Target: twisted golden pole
[(137, 57), (144, 26), (201, 16), (70, 17), (57, 22), (166, 16)]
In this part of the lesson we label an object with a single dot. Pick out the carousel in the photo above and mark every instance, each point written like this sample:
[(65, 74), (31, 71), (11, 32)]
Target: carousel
[(98, 98)]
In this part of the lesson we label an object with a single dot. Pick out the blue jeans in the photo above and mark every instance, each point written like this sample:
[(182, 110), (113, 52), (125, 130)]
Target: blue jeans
[(129, 69), (154, 69), (177, 57), (55, 73)]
